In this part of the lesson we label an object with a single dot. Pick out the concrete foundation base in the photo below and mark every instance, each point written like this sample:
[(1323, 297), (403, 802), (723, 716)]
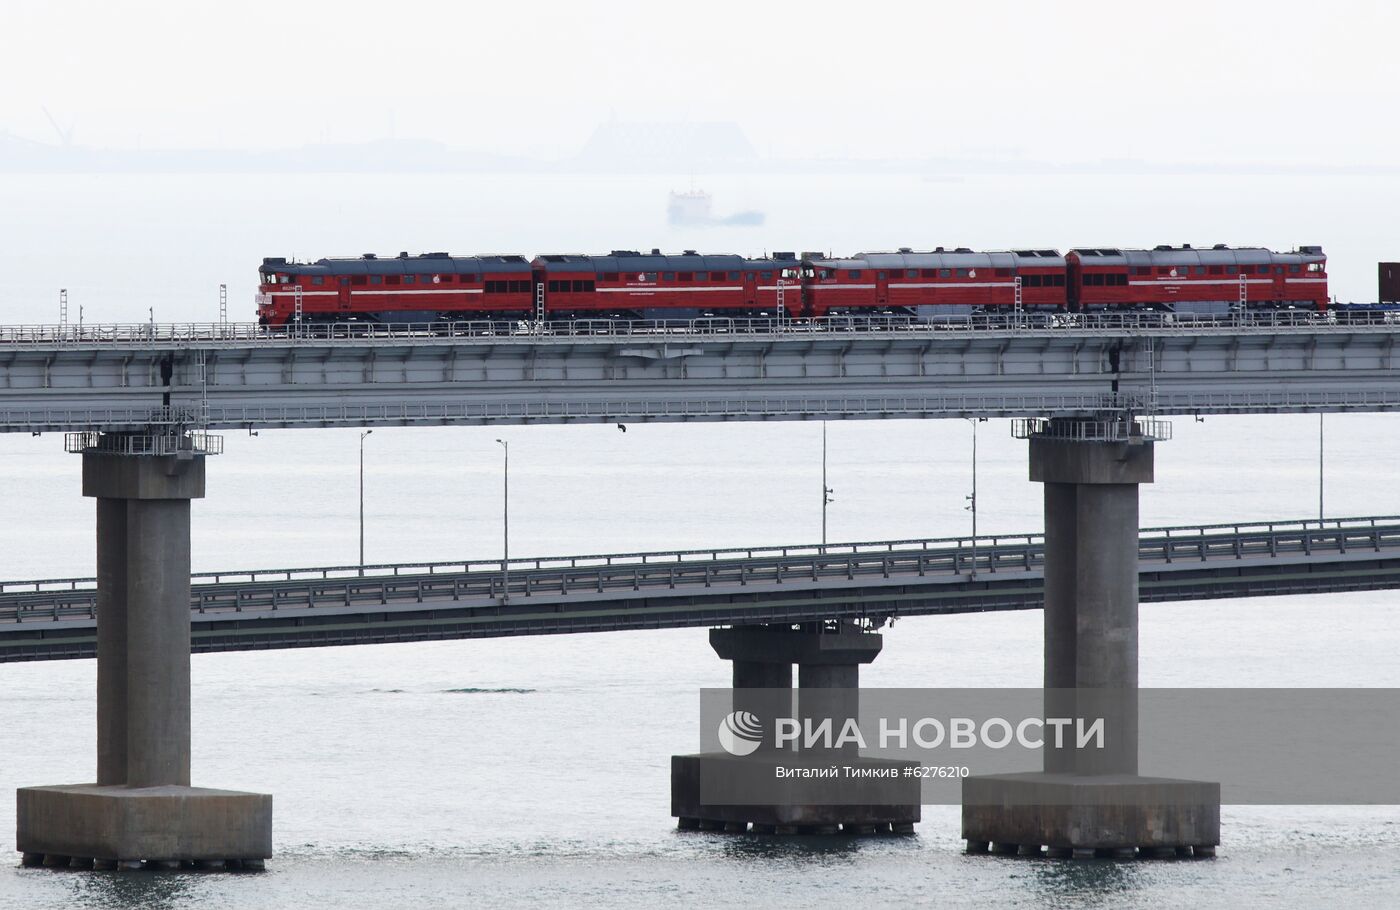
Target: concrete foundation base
[(1115, 815), (126, 826), (877, 805)]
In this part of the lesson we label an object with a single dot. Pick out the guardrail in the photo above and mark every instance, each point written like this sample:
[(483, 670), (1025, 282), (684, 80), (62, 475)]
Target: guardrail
[(180, 444), (240, 333), (560, 576), (1075, 429)]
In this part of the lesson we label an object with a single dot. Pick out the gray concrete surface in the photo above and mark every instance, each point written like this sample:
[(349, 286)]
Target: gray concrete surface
[(828, 659), (1091, 798), (142, 807)]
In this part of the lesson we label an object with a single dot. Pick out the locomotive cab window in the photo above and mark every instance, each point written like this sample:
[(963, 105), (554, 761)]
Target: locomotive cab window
[(1314, 266)]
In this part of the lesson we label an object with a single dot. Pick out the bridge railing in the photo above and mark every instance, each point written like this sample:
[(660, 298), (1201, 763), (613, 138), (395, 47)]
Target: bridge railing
[(245, 333), (645, 557), (559, 576)]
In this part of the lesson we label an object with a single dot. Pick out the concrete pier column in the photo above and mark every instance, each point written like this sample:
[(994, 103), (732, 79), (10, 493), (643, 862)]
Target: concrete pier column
[(828, 656), (1091, 592), (828, 679), (111, 642), (142, 807), (1091, 800), (158, 653), (143, 607)]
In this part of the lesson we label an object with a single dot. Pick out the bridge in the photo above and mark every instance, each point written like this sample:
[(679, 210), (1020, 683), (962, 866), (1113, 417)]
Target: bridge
[(128, 378), (874, 581), (1087, 391)]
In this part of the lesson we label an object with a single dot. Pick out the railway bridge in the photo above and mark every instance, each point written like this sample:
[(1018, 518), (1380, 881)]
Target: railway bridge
[(140, 404)]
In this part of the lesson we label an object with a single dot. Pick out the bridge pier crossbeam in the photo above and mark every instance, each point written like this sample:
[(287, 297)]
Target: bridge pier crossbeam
[(1091, 801), (142, 808), (828, 657)]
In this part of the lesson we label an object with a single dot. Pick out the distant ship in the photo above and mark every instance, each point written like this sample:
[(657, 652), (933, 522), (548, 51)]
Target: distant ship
[(692, 209)]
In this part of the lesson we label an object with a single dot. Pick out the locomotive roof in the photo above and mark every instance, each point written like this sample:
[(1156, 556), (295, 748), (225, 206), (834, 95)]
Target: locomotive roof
[(961, 258), (1185, 255), (629, 261), (426, 264)]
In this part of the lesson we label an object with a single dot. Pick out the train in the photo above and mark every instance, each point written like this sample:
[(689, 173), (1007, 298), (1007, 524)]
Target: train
[(933, 285)]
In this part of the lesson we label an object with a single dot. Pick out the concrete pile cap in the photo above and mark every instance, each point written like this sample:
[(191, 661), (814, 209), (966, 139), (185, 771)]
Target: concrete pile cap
[(776, 644)]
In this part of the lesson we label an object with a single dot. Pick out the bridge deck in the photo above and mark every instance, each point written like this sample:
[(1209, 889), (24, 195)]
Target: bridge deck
[(118, 377), (54, 619)]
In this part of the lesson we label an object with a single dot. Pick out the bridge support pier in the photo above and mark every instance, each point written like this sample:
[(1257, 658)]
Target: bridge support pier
[(733, 789), (142, 807), (1091, 801)]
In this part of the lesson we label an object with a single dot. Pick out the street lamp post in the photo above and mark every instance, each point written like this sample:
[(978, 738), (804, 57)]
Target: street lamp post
[(972, 499), (505, 525), (1320, 477), (362, 499), (826, 491)]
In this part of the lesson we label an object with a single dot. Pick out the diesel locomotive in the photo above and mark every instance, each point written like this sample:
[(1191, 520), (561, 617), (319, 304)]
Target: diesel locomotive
[(939, 284)]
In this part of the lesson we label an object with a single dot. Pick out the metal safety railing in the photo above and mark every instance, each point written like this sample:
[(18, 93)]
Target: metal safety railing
[(532, 331), (955, 559), (1076, 429), (178, 444)]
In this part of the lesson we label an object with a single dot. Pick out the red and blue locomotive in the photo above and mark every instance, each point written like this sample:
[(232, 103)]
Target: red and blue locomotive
[(928, 286)]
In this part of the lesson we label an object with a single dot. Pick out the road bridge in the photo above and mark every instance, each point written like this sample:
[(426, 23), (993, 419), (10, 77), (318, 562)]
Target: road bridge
[(312, 607)]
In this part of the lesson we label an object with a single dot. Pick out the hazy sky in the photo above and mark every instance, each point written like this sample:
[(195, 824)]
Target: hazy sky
[(1278, 81)]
